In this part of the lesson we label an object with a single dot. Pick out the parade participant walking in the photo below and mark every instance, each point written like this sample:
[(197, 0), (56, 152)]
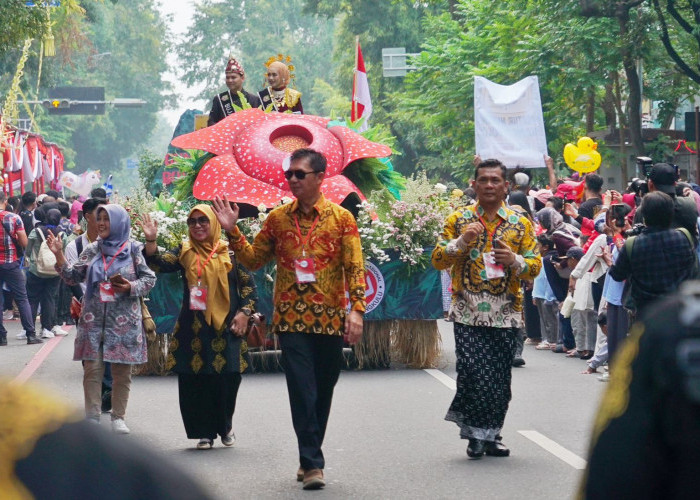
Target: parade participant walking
[(223, 103), (207, 350), (43, 282), (12, 236), (277, 93), (490, 249), (316, 245), (110, 324)]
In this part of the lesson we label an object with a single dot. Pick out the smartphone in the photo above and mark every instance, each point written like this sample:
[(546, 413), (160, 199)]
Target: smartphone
[(618, 212), (116, 278)]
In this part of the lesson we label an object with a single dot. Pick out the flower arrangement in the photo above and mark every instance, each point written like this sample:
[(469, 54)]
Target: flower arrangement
[(170, 214), (406, 226)]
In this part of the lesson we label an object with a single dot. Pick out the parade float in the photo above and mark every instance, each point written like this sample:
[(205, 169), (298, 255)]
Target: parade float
[(399, 220)]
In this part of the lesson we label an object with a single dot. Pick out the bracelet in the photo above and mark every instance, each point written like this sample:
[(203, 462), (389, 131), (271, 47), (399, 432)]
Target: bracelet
[(151, 241)]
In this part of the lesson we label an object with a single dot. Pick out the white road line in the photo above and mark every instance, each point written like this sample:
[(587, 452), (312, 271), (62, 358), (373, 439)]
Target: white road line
[(555, 449), (444, 379)]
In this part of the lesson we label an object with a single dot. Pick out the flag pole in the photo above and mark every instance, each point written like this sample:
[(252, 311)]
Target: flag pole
[(354, 78)]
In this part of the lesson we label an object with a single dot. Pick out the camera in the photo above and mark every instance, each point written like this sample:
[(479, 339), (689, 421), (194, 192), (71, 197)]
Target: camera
[(635, 231), (645, 164)]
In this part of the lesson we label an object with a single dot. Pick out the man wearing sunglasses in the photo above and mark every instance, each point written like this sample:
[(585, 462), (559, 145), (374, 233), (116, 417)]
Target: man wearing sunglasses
[(316, 246)]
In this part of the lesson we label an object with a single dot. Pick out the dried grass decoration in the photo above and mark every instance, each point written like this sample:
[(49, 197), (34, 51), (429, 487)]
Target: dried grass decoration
[(417, 343), (157, 353)]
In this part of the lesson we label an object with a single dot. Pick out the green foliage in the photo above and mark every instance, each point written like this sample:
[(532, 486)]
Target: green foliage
[(660, 149), (19, 23), (149, 164), (190, 166)]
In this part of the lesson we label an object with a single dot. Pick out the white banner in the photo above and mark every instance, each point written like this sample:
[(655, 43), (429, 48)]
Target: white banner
[(508, 122)]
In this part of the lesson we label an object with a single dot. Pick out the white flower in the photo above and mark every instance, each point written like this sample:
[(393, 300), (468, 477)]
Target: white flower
[(262, 208), (440, 188)]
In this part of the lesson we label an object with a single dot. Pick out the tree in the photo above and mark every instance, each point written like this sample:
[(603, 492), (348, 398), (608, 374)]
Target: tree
[(19, 22), (682, 20)]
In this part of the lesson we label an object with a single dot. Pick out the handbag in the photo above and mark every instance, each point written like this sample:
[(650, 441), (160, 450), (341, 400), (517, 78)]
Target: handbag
[(567, 306), (149, 326), (257, 331)]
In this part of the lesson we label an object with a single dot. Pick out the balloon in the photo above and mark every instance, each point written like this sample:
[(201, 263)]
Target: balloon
[(81, 184), (583, 157)]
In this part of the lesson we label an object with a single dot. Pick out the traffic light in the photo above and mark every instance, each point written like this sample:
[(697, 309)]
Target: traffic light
[(77, 101), (56, 103)]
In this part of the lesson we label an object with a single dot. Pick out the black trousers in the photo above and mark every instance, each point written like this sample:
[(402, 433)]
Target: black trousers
[(43, 291), (312, 366), (207, 403)]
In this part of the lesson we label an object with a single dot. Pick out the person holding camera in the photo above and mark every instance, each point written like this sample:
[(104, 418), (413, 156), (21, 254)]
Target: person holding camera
[(663, 177), (659, 259)]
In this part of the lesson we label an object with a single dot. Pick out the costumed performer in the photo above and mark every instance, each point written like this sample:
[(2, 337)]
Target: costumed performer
[(277, 92), (223, 103)]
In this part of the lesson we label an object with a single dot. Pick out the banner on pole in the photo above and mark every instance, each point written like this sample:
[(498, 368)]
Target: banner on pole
[(508, 122)]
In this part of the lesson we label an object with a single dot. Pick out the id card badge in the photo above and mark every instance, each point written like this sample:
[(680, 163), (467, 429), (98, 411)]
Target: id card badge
[(493, 270), (305, 270), (107, 292), (198, 298)]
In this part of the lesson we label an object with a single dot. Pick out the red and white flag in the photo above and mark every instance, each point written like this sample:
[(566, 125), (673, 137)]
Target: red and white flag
[(361, 99)]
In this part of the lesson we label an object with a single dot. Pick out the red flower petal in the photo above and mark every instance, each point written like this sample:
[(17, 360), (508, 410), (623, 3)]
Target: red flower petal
[(262, 149), (338, 187), (355, 146), (222, 176), (220, 138)]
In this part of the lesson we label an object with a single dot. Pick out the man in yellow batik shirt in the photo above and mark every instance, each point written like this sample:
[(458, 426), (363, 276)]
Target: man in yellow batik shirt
[(316, 246), (489, 249)]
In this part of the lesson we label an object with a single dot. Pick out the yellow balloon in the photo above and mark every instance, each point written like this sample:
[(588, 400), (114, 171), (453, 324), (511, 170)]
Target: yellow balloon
[(582, 157)]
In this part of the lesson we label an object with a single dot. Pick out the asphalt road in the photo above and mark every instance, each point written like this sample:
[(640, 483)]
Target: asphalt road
[(386, 437)]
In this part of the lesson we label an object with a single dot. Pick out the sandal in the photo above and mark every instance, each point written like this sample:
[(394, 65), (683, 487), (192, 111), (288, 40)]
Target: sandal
[(544, 346), (573, 353)]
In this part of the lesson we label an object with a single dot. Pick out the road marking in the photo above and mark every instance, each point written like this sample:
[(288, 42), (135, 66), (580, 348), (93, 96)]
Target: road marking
[(444, 379), (555, 449), (37, 360)]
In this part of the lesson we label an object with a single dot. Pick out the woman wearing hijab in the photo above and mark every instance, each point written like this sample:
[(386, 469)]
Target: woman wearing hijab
[(207, 349), (277, 94), (42, 287), (560, 232), (110, 324)]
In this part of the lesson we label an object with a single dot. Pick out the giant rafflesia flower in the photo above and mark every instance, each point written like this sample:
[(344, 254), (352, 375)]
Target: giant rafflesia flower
[(251, 146)]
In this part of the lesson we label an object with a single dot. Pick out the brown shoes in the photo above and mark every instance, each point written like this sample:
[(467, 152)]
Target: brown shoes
[(300, 475), (313, 479)]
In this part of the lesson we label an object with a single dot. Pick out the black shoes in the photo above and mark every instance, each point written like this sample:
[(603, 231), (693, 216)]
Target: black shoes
[(477, 448), (496, 449), (518, 362), (34, 340), (3, 342)]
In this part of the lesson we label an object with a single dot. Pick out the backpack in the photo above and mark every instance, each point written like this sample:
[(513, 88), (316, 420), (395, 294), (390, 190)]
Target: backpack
[(45, 259)]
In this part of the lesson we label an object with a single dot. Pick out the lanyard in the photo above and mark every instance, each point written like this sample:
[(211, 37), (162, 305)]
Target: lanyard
[(490, 233), (200, 267), (308, 235), (104, 261)]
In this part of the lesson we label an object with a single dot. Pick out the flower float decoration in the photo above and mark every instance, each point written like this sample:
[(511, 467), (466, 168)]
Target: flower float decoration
[(251, 146), (583, 157)]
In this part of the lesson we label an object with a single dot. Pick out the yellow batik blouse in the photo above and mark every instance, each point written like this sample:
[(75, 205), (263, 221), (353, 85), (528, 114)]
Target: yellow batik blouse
[(334, 245), (478, 301)]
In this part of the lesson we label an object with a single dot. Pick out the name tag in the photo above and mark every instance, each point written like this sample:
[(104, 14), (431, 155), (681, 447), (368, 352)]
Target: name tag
[(198, 298), (107, 292), (493, 270), (305, 270)]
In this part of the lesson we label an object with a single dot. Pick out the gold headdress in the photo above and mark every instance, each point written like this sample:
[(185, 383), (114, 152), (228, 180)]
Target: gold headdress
[(287, 62)]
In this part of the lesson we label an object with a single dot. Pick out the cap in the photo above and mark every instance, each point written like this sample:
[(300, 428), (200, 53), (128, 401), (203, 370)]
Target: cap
[(575, 253), (664, 177)]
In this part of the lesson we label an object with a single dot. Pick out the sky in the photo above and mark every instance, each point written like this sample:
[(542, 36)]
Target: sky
[(182, 12)]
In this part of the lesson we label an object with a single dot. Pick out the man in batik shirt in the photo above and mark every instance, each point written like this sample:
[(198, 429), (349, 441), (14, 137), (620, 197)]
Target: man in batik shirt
[(490, 249), (316, 246)]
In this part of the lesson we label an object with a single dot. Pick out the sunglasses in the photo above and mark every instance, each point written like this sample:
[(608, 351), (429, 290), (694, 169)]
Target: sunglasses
[(193, 221), (299, 174)]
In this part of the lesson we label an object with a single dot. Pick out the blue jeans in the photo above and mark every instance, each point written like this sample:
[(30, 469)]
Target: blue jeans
[(14, 277)]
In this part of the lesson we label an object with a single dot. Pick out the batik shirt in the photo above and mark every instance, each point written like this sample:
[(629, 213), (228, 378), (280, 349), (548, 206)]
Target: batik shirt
[(478, 301), (334, 245)]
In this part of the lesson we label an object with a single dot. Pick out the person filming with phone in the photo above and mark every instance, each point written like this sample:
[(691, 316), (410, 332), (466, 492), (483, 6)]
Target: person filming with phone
[(489, 249)]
